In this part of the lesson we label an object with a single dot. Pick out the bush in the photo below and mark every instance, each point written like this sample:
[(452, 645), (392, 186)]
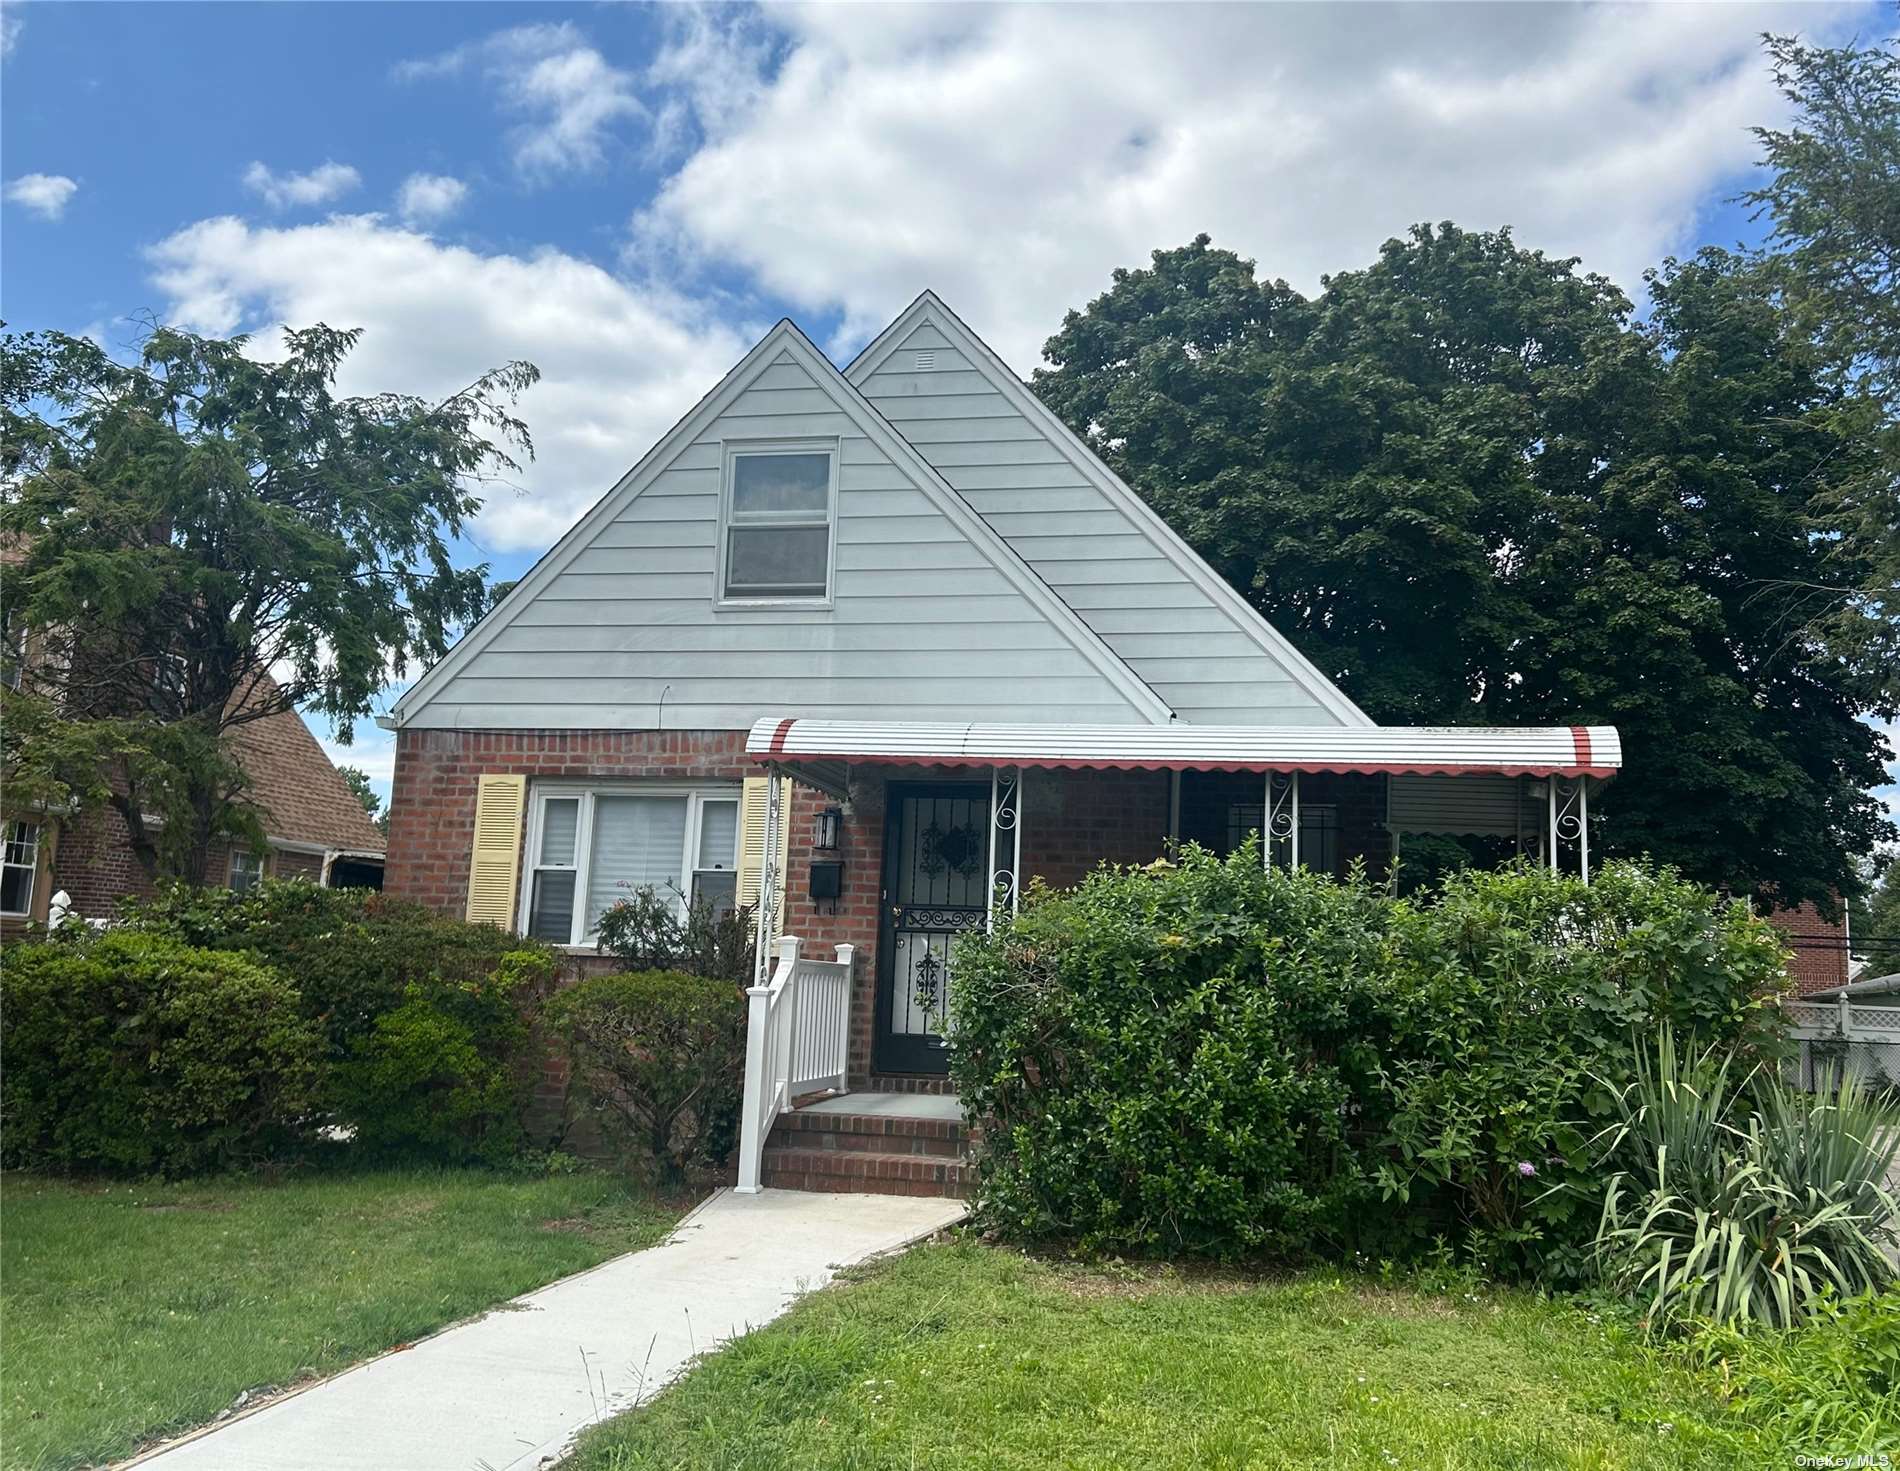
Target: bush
[(134, 1054), (351, 953), (1519, 998), (660, 1056), (646, 932), (1179, 1058), (446, 1075), (1208, 1057), (1743, 1206)]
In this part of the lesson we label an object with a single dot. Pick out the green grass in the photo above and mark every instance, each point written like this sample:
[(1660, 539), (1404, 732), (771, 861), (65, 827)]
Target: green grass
[(130, 1311), (961, 1356)]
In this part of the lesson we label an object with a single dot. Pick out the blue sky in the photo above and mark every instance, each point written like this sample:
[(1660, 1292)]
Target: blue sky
[(629, 195)]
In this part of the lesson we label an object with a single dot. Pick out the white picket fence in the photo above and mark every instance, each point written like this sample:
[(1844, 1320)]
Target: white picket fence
[(797, 1035)]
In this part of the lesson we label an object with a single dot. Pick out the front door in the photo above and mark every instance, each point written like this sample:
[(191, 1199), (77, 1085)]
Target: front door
[(936, 886)]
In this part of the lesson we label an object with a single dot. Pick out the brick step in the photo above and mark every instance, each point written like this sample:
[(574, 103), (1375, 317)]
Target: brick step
[(868, 1134), (860, 1172)]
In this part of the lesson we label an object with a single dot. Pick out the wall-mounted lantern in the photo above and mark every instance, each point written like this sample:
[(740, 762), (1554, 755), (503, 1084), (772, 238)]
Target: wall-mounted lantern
[(830, 824)]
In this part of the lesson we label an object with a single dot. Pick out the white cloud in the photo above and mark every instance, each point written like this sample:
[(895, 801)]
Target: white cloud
[(325, 182), (373, 754), (1011, 157), (10, 27), (568, 93), (426, 198), (619, 364), (47, 195)]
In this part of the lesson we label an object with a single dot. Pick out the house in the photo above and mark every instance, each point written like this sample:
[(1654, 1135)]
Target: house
[(315, 827), (869, 650)]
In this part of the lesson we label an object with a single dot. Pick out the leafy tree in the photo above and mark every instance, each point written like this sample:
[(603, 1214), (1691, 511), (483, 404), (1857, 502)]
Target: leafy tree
[(203, 539), (1832, 198), (1472, 488), (1875, 924), (357, 780)]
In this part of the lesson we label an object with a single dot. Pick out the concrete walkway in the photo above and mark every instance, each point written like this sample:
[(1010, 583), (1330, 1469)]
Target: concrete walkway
[(511, 1389)]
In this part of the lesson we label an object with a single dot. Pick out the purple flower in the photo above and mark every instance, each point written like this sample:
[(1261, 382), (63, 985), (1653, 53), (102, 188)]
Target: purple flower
[(1526, 1168)]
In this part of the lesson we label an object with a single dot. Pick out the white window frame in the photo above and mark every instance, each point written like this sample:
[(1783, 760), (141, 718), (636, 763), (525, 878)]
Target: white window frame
[(231, 868), (733, 450), (540, 793), (32, 866)]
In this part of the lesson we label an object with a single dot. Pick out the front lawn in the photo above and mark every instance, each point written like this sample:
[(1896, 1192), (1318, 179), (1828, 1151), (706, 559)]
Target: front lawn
[(130, 1311), (962, 1356)]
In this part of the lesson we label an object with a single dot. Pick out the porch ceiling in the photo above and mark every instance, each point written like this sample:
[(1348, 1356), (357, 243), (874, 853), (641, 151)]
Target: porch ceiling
[(823, 748)]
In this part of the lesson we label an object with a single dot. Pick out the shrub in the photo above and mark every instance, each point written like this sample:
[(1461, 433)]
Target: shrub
[(351, 953), (135, 1054), (660, 1057), (1513, 993), (446, 1074), (1739, 1206), (646, 932), (1831, 1386), (1207, 1057), (1178, 1058)]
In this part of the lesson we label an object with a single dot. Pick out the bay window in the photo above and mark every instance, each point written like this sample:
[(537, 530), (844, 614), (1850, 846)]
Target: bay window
[(591, 847)]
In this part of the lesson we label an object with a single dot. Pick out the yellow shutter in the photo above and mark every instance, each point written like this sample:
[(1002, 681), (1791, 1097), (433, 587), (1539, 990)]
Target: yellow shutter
[(752, 839), (494, 869)]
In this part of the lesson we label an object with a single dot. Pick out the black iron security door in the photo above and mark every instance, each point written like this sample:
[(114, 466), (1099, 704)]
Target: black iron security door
[(936, 888)]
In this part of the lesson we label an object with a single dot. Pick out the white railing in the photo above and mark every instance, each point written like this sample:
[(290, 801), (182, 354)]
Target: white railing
[(797, 1033)]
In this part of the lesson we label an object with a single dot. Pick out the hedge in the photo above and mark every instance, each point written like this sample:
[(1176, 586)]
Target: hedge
[(1208, 1057), (138, 1054)]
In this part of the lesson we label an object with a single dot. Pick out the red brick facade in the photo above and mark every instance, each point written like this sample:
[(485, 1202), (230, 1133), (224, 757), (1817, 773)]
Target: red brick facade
[(94, 864), (1819, 945), (1072, 822)]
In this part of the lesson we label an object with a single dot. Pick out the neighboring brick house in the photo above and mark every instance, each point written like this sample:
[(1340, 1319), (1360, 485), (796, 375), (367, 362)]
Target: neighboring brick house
[(870, 650), (1819, 945), (315, 826)]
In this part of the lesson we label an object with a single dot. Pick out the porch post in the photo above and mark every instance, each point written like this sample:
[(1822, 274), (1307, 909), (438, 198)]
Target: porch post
[(768, 880), (1583, 824), (1280, 817), (1006, 840), (1550, 789)]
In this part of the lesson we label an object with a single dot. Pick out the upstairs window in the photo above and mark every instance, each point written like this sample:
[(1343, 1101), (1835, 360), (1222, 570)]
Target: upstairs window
[(780, 506)]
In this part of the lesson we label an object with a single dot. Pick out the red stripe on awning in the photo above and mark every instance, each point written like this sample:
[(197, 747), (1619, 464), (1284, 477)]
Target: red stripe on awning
[(1041, 763), (1581, 735), (778, 736)]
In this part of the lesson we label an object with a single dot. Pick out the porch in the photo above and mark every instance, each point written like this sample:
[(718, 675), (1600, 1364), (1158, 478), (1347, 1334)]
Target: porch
[(886, 842)]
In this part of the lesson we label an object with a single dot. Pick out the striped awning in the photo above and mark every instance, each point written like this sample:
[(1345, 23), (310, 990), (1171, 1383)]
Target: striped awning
[(823, 746)]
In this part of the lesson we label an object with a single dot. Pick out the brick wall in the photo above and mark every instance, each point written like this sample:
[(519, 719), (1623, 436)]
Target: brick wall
[(95, 865), (1820, 948), (432, 807), (1072, 822)]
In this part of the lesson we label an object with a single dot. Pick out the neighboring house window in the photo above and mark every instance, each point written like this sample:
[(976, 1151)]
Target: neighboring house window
[(247, 868), (1319, 834), (19, 863), (590, 848), (778, 514)]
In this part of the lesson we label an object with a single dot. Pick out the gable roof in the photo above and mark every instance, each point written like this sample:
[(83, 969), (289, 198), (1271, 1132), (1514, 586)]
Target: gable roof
[(786, 343), (929, 310), (302, 794)]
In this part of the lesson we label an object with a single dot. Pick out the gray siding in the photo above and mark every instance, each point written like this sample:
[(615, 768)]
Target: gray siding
[(1100, 561), (923, 625)]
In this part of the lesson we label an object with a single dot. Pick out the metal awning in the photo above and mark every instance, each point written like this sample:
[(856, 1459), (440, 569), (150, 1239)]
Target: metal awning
[(821, 749)]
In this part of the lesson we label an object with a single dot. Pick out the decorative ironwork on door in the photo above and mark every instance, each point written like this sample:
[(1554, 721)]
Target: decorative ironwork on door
[(937, 883)]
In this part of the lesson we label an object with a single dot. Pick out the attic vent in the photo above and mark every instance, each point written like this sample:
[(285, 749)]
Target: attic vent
[(926, 362)]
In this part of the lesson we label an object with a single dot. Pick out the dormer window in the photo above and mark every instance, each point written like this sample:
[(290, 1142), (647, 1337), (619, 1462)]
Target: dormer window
[(780, 506)]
